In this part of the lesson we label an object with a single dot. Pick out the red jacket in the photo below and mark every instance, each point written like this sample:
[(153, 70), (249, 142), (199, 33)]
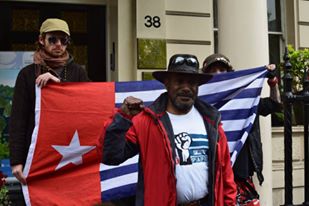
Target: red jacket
[(150, 134)]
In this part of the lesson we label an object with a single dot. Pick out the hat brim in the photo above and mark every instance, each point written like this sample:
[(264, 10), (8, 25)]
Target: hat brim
[(223, 62), (162, 75), (57, 30)]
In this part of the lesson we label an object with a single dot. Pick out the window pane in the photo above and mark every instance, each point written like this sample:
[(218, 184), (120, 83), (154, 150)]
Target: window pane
[(25, 20), (274, 15), (275, 58), (274, 49)]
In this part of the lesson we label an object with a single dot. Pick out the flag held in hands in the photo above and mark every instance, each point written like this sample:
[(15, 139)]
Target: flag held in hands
[(63, 164)]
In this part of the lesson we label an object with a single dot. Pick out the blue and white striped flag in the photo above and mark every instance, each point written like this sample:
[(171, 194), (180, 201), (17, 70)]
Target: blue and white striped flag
[(235, 94), (68, 123)]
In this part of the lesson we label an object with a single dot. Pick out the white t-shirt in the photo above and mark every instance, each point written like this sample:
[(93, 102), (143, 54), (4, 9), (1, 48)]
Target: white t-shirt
[(191, 156)]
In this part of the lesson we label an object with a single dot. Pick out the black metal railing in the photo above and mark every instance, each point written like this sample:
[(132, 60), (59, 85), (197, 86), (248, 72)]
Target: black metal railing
[(288, 99)]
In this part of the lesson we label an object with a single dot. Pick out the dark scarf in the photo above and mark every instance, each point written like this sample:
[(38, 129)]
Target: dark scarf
[(46, 63), (42, 58)]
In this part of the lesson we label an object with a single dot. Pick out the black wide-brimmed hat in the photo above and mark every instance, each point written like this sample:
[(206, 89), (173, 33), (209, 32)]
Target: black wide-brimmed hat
[(185, 64)]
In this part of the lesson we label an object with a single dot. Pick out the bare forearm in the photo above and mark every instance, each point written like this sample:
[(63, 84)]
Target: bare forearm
[(275, 94)]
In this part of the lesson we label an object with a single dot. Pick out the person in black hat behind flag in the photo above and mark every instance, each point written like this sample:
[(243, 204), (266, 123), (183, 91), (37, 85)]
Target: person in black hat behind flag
[(183, 153), (250, 158)]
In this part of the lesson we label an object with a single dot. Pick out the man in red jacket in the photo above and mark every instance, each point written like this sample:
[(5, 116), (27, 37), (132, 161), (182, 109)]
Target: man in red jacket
[(183, 153)]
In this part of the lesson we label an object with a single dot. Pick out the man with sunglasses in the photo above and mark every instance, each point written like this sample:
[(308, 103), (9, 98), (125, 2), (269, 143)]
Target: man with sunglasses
[(250, 158), (52, 62), (184, 158)]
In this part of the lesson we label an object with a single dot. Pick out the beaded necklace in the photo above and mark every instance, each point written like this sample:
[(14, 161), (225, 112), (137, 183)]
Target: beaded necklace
[(65, 73), (55, 73)]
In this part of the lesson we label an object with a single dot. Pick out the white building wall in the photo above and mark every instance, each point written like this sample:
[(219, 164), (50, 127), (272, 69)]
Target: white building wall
[(189, 27), (278, 165), (243, 37), (243, 32), (126, 44)]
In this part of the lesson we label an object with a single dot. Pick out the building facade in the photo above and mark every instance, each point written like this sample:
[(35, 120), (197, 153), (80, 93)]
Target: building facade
[(123, 40)]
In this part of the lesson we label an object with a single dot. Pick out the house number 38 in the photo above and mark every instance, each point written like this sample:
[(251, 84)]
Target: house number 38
[(152, 21)]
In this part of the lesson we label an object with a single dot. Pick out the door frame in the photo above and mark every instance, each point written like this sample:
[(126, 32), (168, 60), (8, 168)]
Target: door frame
[(108, 47)]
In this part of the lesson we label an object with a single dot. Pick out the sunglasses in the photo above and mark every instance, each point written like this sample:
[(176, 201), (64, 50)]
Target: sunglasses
[(64, 40), (184, 59)]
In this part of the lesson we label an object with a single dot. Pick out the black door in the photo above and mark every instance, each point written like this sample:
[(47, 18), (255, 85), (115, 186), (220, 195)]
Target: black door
[(20, 23)]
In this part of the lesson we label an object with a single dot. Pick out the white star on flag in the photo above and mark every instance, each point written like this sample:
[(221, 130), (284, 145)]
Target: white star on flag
[(73, 152)]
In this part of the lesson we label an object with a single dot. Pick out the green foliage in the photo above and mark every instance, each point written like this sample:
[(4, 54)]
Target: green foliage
[(6, 95), (280, 115), (4, 198), (2, 124), (300, 61), (4, 149)]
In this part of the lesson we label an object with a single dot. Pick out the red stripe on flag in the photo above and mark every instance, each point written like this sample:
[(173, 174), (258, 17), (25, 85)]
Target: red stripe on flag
[(71, 114)]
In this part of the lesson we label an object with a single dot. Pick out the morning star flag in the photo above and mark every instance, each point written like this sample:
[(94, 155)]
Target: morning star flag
[(63, 164)]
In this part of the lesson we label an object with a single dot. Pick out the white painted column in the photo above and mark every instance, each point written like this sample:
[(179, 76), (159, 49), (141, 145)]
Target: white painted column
[(243, 31), (126, 44), (243, 37)]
